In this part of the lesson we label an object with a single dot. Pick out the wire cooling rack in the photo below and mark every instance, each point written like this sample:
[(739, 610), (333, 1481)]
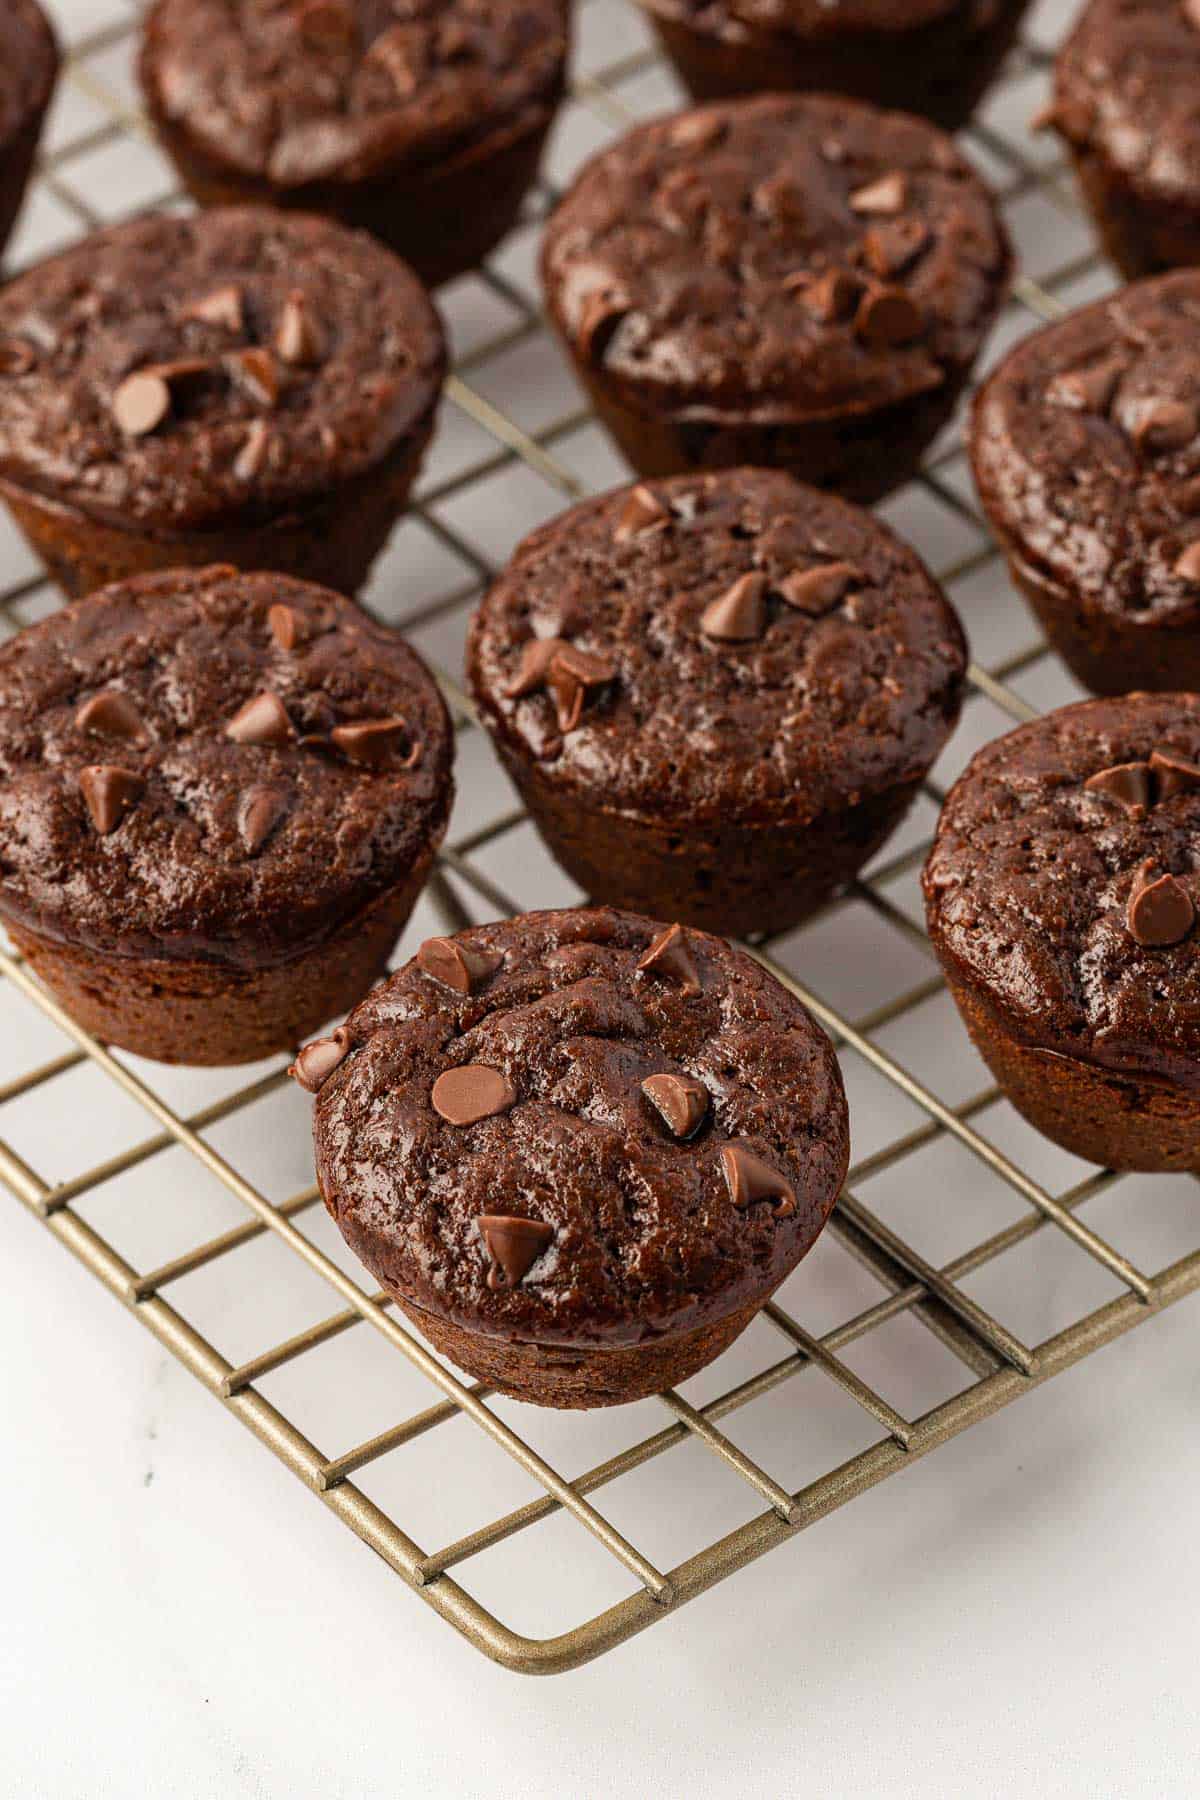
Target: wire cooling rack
[(967, 1261)]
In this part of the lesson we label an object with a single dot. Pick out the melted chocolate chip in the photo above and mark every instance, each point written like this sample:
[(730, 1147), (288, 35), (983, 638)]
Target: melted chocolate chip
[(263, 720), (1128, 784), (285, 625), (514, 1245), (602, 314), (749, 1178), (679, 1100), (1164, 425), (668, 955), (1187, 563), (1173, 774), (456, 967), (533, 667), (888, 317), (739, 615), (257, 373), (370, 741), (471, 1092), (566, 670), (893, 246), (299, 340), (317, 1061), (1085, 390), (262, 808), (111, 714), (222, 307), (108, 793), (141, 403), (887, 195), (829, 297), (1160, 911), (817, 591), (642, 514)]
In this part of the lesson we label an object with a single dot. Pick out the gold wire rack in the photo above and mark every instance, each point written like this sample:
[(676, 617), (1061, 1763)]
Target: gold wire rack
[(998, 1367)]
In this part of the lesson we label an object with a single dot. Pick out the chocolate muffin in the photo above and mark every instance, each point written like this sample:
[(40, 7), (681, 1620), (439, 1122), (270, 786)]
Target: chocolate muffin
[(717, 694), (247, 384), (1125, 86), (27, 75), (1061, 894), (936, 57), (1086, 451), (421, 121), (580, 1149), (797, 282), (220, 795)]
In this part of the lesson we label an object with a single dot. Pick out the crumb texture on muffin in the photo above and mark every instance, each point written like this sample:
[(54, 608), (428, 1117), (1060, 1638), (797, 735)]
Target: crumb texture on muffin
[(756, 651), (542, 1194), (170, 372), (347, 89), (1126, 81), (1063, 881), (204, 765), (784, 257)]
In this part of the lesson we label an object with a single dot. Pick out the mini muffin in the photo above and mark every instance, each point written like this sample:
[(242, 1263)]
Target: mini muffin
[(936, 57), (579, 1148), (801, 283), (1125, 87), (27, 77), (249, 385), (421, 123), (1086, 450), (1061, 894), (220, 795), (717, 694)]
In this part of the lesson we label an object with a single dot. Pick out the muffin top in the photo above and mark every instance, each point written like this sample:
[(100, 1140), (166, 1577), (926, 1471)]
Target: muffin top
[(579, 1127), (1086, 448), (824, 19), (1064, 878), (341, 90), (1125, 81), (204, 764), (30, 64), (719, 644), (785, 257), (171, 371)]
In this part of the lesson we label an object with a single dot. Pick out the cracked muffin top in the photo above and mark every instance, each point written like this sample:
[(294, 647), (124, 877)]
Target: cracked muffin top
[(579, 1127), (1063, 881)]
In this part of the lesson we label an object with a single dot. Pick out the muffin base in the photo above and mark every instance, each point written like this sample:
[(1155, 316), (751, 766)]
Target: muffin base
[(442, 220), (735, 881), (1141, 233), (558, 1375), (1121, 1121), (940, 70), (864, 457), (1106, 653), (333, 541), (178, 1011), (16, 165)]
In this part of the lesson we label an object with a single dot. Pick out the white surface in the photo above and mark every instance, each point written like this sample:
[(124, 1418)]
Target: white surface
[(1016, 1615)]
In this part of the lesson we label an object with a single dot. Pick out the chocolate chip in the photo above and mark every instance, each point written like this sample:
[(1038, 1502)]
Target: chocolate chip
[(1127, 783), (1085, 390), (584, 665), (817, 591), (111, 714), (739, 615), (697, 131), (566, 670), (286, 626), (471, 1092), (263, 720), (16, 358), (317, 1061), (887, 195), (668, 955), (108, 793), (533, 667), (749, 1178), (257, 373), (455, 966), (251, 458), (222, 307), (261, 810), (828, 297), (894, 246), (888, 317), (514, 1245), (1173, 774), (1160, 911), (298, 338), (1163, 424), (1187, 563), (599, 320), (642, 514), (680, 1101), (141, 403), (370, 741)]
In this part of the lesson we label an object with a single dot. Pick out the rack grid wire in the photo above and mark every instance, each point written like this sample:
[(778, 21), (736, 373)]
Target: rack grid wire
[(996, 1365)]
